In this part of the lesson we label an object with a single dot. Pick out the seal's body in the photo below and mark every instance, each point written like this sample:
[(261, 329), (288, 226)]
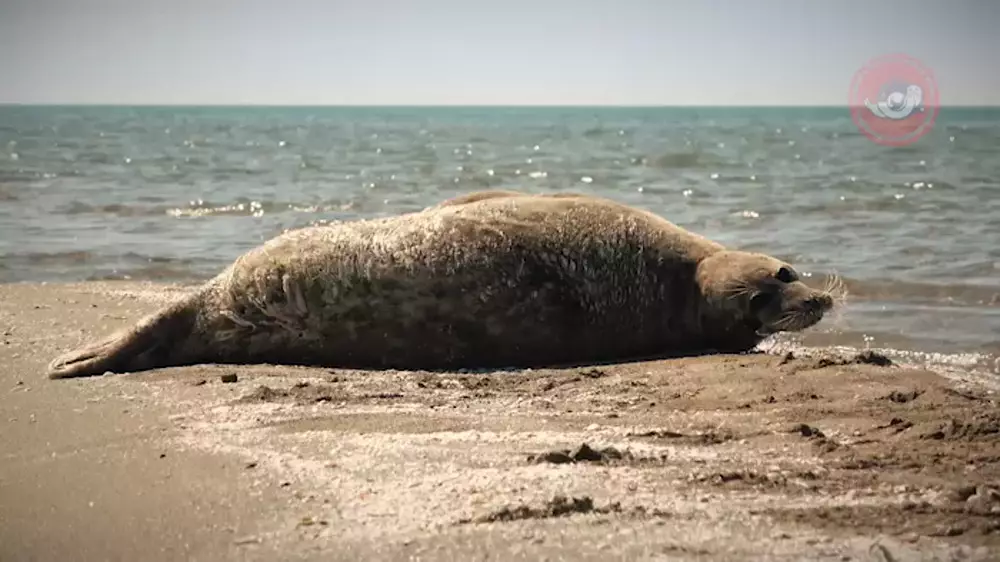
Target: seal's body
[(490, 280)]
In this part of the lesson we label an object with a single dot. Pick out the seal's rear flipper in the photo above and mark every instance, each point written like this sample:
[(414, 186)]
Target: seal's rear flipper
[(148, 345)]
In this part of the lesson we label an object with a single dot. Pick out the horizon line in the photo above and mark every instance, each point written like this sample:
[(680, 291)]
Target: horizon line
[(460, 106)]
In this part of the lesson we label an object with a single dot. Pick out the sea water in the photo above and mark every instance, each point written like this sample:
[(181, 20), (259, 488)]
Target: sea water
[(171, 193)]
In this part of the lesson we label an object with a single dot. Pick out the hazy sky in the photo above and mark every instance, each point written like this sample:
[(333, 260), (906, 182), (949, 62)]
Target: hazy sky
[(370, 52)]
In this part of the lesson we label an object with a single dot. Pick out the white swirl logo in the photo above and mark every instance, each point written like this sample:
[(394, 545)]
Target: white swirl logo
[(898, 105)]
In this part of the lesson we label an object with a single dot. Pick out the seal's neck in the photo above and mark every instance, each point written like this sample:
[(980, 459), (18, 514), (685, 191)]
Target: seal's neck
[(724, 315)]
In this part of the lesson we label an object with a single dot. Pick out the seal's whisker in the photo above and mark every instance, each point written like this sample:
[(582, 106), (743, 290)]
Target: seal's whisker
[(832, 281), (790, 321), (787, 319), (836, 289), (738, 289), (839, 293)]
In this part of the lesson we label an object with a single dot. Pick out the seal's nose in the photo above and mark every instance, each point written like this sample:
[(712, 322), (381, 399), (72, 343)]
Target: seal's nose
[(819, 303)]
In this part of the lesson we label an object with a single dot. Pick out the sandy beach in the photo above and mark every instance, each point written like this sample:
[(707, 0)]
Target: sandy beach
[(754, 457)]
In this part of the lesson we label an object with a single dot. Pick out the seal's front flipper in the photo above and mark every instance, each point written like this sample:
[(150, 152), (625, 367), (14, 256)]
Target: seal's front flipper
[(150, 344), (90, 360)]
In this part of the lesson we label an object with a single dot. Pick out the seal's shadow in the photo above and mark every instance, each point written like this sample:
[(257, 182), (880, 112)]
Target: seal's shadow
[(603, 362)]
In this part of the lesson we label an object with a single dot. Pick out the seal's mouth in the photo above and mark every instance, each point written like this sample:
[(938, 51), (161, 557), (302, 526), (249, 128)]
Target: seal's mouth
[(756, 326), (795, 322), (796, 318)]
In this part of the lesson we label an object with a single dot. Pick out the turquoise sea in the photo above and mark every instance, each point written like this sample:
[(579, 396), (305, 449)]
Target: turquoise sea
[(176, 193)]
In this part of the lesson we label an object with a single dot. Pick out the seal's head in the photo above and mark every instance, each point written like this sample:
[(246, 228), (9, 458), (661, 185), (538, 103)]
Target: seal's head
[(762, 294)]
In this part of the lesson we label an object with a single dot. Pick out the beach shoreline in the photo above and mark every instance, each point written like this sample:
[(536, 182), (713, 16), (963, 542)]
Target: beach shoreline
[(757, 456)]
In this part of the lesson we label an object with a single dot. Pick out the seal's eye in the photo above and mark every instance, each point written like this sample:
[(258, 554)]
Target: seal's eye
[(785, 275), (760, 301)]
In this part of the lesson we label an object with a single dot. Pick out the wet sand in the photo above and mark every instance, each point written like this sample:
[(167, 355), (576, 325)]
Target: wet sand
[(754, 457)]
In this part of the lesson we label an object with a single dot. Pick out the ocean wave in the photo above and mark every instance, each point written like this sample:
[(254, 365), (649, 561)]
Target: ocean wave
[(148, 273), (201, 208), (951, 294), (72, 265), (962, 364), (83, 256)]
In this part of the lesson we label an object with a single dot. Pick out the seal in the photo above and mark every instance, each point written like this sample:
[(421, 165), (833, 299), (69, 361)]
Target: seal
[(488, 280)]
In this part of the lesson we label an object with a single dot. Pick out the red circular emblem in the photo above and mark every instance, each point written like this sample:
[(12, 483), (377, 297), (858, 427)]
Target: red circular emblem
[(894, 100)]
